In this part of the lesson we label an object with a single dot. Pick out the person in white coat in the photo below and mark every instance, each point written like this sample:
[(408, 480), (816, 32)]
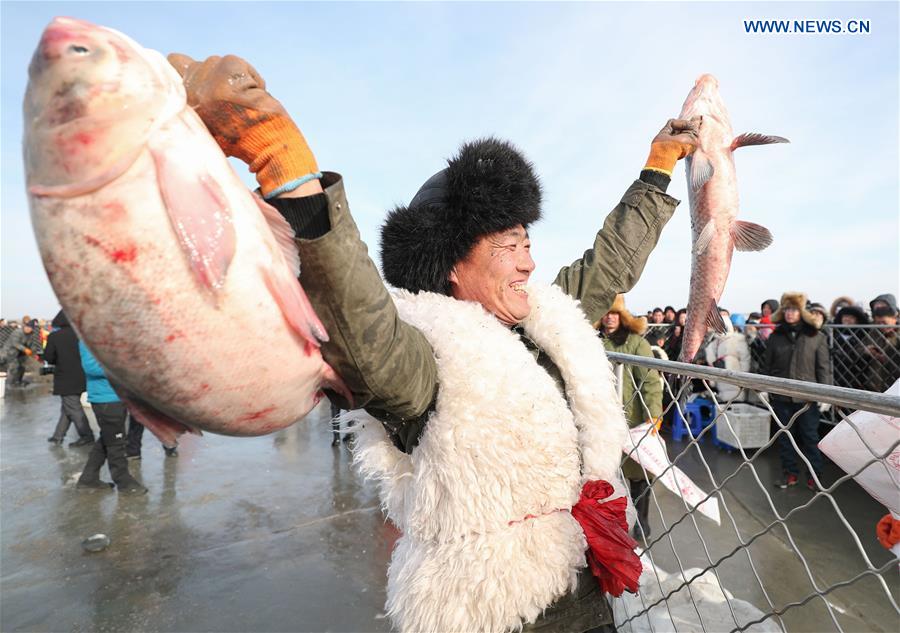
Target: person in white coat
[(728, 351)]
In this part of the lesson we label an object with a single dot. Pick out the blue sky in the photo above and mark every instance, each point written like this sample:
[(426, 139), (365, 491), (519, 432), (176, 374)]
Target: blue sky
[(386, 91)]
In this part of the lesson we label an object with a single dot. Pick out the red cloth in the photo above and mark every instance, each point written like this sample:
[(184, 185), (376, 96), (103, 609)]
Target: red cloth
[(610, 550), (888, 531)]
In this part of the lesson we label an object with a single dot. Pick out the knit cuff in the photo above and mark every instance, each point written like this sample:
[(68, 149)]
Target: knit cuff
[(308, 216), (656, 178)]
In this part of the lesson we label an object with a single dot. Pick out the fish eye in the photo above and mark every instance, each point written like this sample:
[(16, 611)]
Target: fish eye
[(78, 49)]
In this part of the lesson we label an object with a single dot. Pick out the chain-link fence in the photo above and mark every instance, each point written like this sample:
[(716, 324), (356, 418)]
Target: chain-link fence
[(732, 542), (863, 357)]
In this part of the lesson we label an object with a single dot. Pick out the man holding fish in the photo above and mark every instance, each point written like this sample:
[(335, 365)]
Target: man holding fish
[(492, 418), (491, 421)]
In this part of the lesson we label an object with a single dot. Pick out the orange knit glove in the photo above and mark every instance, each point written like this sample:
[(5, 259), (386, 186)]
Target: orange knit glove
[(246, 121), (888, 531), (677, 139), (28, 351)]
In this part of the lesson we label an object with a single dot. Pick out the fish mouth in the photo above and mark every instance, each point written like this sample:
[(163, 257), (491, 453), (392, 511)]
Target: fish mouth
[(66, 38)]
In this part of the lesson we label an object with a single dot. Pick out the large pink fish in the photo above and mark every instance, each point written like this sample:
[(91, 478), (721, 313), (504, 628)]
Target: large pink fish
[(713, 194), (182, 283)]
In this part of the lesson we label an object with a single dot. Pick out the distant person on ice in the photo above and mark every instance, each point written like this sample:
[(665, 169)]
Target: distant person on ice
[(68, 382), (494, 417), (110, 448), (17, 349)]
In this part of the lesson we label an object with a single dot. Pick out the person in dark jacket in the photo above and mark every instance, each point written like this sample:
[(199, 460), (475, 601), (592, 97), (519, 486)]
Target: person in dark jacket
[(850, 357), (883, 353), (68, 382), (799, 351), (672, 346), (110, 414)]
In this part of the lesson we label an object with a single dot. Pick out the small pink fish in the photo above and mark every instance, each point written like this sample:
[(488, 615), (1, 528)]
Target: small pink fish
[(180, 281), (716, 231)]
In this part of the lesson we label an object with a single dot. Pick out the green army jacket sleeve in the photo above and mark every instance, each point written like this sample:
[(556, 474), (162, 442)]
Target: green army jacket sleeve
[(389, 365), (620, 251)]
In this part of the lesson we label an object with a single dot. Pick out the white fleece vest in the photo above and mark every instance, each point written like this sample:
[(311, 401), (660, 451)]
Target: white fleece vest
[(501, 445)]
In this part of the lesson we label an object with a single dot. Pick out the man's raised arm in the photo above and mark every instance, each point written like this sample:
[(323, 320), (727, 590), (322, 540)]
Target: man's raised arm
[(387, 364), (632, 229)]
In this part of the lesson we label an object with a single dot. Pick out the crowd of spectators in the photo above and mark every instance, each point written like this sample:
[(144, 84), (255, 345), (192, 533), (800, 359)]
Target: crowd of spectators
[(786, 339), (861, 357)]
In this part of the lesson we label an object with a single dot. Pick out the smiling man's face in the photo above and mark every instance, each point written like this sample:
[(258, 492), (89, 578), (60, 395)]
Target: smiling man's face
[(495, 273)]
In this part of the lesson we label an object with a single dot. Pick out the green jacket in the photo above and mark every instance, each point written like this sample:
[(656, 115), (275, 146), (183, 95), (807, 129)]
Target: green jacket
[(646, 381), (387, 364), (641, 390)]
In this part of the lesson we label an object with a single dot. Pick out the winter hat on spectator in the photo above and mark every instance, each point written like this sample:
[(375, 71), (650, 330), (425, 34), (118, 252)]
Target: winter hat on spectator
[(794, 300), (627, 321), (889, 299), (487, 188), (773, 305), (815, 306), (882, 311), (861, 317), (839, 303)]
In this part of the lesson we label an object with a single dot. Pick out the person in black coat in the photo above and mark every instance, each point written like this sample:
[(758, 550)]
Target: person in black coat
[(797, 350), (68, 382), (850, 358)]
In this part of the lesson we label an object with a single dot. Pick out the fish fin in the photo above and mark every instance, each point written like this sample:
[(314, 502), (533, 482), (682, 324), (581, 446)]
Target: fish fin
[(161, 425), (331, 380), (200, 215), (748, 236), (295, 305), (701, 169), (284, 234), (755, 138), (714, 318), (705, 237), (288, 292)]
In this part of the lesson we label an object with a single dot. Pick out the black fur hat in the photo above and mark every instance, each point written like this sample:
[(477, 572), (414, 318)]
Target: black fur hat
[(488, 187)]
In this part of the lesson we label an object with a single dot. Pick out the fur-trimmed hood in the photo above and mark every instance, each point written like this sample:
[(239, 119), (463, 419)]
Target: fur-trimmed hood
[(795, 300), (488, 187), (627, 321), (838, 303)]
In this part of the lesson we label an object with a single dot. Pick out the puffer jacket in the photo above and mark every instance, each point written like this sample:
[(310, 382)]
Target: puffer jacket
[(797, 352)]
